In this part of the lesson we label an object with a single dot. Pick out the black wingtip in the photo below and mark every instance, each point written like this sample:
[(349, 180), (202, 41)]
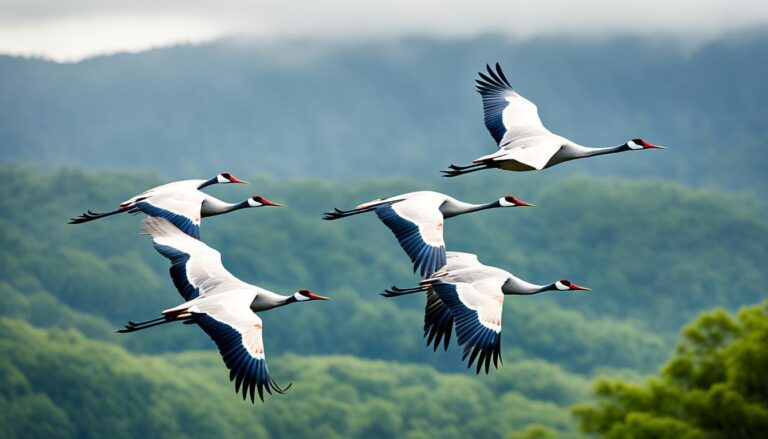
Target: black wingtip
[(502, 76)]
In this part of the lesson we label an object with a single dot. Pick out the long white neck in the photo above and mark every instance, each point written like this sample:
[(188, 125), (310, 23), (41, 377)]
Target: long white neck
[(517, 286), (452, 207), (577, 151), (213, 206)]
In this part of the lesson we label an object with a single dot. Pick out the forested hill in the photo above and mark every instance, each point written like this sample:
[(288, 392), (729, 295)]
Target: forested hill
[(406, 108), (655, 253)]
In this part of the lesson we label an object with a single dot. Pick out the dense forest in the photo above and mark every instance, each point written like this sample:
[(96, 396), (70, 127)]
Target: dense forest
[(306, 109), (667, 240), (713, 387), (653, 252)]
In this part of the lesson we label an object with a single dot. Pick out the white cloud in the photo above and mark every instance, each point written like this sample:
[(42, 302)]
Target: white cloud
[(71, 30)]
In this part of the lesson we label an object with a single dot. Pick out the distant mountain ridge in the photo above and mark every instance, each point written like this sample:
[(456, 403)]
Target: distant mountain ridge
[(400, 108)]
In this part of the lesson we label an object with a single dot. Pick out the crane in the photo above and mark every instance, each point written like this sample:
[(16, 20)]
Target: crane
[(524, 143), (416, 219), (221, 304)]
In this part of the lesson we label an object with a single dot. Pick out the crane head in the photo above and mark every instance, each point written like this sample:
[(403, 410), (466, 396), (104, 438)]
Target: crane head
[(566, 285), (510, 201), (258, 201), (304, 295), (636, 144), (226, 177)]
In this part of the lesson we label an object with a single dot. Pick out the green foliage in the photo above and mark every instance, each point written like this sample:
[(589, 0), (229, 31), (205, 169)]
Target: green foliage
[(104, 269), (58, 383), (713, 387), (533, 431), (90, 279)]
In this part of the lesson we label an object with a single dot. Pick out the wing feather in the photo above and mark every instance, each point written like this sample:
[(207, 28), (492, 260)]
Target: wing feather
[(238, 335), (505, 111), (418, 227), (477, 316), (196, 269)]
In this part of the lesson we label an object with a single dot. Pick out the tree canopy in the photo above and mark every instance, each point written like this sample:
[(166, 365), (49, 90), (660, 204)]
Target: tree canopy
[(715, 386)]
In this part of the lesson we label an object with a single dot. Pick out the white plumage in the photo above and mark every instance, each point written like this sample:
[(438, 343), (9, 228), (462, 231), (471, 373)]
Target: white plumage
[(220, 303), (524, 143)]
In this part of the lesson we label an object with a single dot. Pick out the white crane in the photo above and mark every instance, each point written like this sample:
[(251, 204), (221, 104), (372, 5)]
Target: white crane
[(221, 304), (524, 143), (471, 294), (182, 203), (416, 219)]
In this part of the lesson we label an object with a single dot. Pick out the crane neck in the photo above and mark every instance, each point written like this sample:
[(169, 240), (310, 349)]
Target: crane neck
[(584, 151), (213, 206), (266, 300), (453, 208), (519, 287), (210, 182)]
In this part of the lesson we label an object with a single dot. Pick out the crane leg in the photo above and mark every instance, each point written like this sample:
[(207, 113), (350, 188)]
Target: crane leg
[(133, 326), (338, 213), (455, 170), (90, 216), (394, 291)]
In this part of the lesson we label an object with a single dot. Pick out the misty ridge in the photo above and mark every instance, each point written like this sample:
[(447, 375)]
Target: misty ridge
[(392, 109)]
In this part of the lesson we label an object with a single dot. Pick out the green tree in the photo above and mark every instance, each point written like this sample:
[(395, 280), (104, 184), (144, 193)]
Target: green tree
[(715, 386)]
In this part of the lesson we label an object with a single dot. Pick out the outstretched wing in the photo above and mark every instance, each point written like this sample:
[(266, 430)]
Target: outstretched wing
[(195, 268), (438, 321), (184, 222), (478, 320), (505, 110), (178, 202), (237, 333), (418, 226)]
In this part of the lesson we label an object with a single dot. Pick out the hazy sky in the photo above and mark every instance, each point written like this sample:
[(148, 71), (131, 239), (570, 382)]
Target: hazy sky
[(73, 29)]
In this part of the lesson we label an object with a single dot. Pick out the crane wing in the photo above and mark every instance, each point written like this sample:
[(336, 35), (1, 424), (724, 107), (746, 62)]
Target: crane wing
[(237, 333), (459, 260), (178, 202), (506, 112), (476, 309), (418, 225), (438, 321), (196, 269)]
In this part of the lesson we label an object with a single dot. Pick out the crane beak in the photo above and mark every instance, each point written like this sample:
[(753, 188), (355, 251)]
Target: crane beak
[(647, 145), (314, 296), (271, 203), (237, 180), (579, 288), (524, 204)]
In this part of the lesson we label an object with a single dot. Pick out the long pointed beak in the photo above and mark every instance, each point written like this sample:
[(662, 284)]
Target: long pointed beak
[(579, 288), (237, 180), (652, 146), (271, 203), (314, 296), (524, 204)]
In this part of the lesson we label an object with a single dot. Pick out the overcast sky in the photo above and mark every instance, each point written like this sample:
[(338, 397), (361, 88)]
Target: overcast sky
[(68, 30)]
